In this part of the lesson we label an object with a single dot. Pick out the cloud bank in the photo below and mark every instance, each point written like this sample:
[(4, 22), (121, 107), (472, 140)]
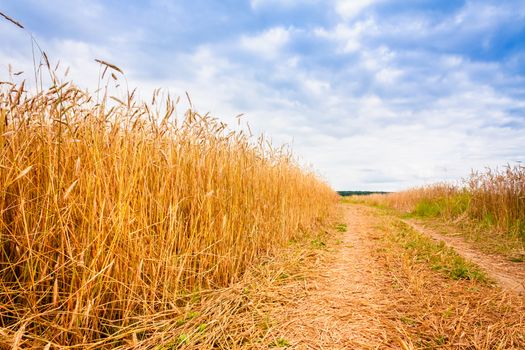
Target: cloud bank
[(375, 95)]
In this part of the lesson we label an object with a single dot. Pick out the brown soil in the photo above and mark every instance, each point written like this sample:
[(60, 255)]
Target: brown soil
[(509, 275)]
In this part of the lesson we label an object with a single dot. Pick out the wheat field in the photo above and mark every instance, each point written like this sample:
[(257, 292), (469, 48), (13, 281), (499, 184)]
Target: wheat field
[(112, 209), (492, 199)]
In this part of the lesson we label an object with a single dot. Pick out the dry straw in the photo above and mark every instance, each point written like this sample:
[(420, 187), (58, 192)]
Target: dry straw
[(111, 212)]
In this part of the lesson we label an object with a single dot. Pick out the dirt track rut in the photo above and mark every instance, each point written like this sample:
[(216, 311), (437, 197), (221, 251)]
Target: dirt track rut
[(508, 275)]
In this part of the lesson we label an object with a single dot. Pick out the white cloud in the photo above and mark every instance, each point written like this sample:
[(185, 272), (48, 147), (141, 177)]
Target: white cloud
[(268, 43), (348, 37), (387, 76), (479, 15), (349, 9), (374, 103), (316, 87), (256, 4)]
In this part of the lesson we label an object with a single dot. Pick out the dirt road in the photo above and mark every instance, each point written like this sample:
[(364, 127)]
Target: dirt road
[(344, 308), (509, 275), (374, 294)]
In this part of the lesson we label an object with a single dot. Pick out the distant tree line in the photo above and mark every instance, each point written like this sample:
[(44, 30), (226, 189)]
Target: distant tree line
[(359, 193)]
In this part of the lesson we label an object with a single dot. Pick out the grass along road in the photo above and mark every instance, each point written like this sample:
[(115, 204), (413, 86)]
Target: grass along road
[(385, 285), (509, 274)]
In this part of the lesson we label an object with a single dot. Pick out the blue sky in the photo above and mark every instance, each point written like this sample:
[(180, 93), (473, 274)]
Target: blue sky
[(373, 94)]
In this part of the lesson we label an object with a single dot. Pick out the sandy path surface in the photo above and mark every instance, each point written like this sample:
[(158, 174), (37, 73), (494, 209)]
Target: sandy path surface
[(344, 308), (508, 275)]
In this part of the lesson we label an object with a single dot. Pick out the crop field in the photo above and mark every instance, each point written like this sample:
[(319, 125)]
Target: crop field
[(132, 223), (112, 210), (490, 206)]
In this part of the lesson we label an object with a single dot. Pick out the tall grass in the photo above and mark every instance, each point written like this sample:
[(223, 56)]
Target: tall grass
[(498, 197), (112, 210), (494, 198)]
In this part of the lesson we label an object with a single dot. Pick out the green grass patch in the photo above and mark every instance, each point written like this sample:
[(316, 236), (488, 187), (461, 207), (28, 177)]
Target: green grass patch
[(183, 339), (280, 343), (438, 256), (318, 243), (517, 259), (452, 206), (428, 208), (341, 227)]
